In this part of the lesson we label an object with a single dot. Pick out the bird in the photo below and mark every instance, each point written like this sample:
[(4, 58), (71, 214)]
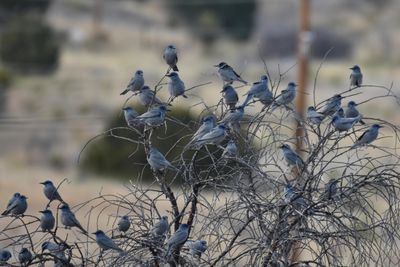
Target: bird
[(227, 74), (154, 117), (50, 191), (343, 124), (352, 112), (56, 250), (177, 239), (171, 57), (261, 91), (130, 117), (230, 96), (5, 255), (198, 247), (234, 116), (294, 198), (340, 113), (207, 125), (157, 160), (291, 157), (136, 83), (332, 105), (147, 97), (356, 77), (231, 150), (176, 86), (68, 218), (266, 97), (24, 256), (287, 95), (314, 116), (13, 198), (368, 136), (331, 189), (17, 207), (161, 227), (47, 220), (106, 242), (124, 223), (214, 137)]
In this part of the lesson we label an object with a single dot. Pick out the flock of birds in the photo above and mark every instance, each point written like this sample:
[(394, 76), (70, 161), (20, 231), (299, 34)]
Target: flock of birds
[(210, 132)]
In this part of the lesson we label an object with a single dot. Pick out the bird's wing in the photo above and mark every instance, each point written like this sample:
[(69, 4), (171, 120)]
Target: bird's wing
[(150, 114), (211, 135), (362, 136)]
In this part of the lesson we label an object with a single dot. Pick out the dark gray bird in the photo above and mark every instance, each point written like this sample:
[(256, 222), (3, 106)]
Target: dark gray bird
[(343, 124), (24, 256), (17, 207), (177, 239), (197, 247), (176, 86), (171, 57), (56, 250), (130, 117), (231, 150), (339, 113), (294, 198), (50, 191), (124, 223), (331, 189), (47, 220), (227, 74), (260, 91), (368, 136), (291, 157), (230, 96), (148, 98), (356, 77), (13, 198), (233, 117), (136, 83), (352, 112), (5, 255), (106, 242), (332, 105), (68, 218), (313, 116), (161, 227)]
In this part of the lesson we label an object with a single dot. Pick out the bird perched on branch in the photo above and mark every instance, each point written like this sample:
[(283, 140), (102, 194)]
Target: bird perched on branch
[(68, 218), (17, 205), (131, 115), (176, 87), (332, 105), (313, 116), (197, 247), (50, 191), (214, 137), (331, 189), (352, 112), (5, 255), (231, 150), (260, 91), (287, 96), (136, 83), (154, 117), (157, 160), (343, 124), (55, 249), (339, 113), (161, 227), (24, 256), (294, 198), (147, 97), (234, 117), (356, 77), (368, 136), (124, 223), (230, 96), (227, 74), (107, 243), (291, 157), (171, 57), (177, 239), (47, 220), (208, 124)]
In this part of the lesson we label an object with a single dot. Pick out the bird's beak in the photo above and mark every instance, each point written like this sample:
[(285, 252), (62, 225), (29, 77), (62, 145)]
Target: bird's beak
[(222, 91), (216, 66), (94, 233), (351, 68), (168, 110), (41, 183), (168, 75), (41, 211)]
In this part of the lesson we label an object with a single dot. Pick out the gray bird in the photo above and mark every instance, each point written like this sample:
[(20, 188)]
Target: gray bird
[(5, 255), (260, 90), (332, 105), (313, 116), (136, 83), (147, 97), (171, 57), (13, 198), (56, 250), (227, 74), (161, 227), (131, 117), (294, 198), (47, 220), (24, 256), (352, 112), (106, 242), (331, 189), (176, 87), (231, 150), (368, 136), (124, 223), (339, 113), (177, 239), (214, 137), (154, 117), (266, 97), (356, 77), (157, 160), (291, 157), (230, 96), (198, 247), (68, 218), (208, 124), (18, 206), (343, 124), (287, 95), (234, 116), (50, 191)]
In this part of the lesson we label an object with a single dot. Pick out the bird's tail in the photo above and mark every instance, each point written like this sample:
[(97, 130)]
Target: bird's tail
[(356, 144), (362, 122), (242, 81), (124, 92), (5, 212), (175, 68), (247, 100), (123, 253)]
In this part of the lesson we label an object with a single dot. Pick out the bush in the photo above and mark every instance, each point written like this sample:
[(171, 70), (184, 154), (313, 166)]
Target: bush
[(28, 44)]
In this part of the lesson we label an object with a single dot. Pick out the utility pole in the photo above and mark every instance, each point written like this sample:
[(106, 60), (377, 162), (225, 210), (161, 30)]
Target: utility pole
[(98, 10)]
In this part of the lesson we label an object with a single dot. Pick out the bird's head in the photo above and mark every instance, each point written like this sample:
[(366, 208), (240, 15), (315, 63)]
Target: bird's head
[(264, 78), (337, 97), (127, 109), (164, 218), (335, 118), (222, 126), (98, 232), (139, 73), (46, 211), (221, 65), (172, 74), (311, 108), (351, 104), (377, 126), (285, 146), (240, 108), (16, 195), (171, 47), (203, 242), (64, 207), (226, 88), (163, 108), (184, 226), (145, 87), (292, 84), (125, 217), (209, 118), (47, 182), (23, 250), (45, 245), (23, 197), (355, 67)]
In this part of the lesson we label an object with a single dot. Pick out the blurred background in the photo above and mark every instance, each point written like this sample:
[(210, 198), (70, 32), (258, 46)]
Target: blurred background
[(63, 64)]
